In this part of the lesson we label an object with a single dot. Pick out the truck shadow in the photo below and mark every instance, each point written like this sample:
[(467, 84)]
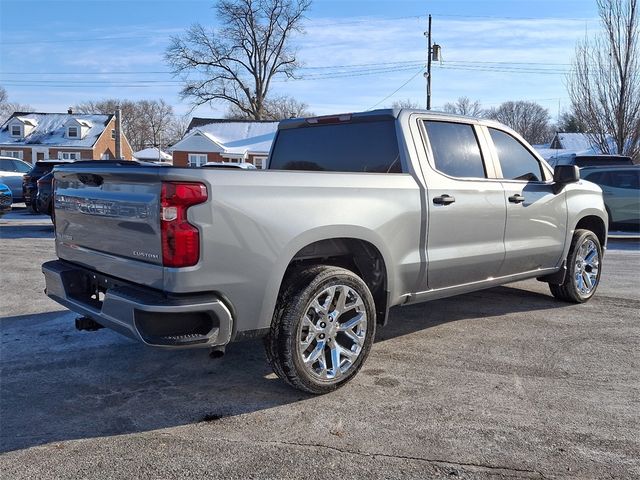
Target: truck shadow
[(479, 305), (26, 231), (60, 384)]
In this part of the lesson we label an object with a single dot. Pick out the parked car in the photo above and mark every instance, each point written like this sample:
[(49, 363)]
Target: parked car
[(591, 160), (30, 180), (44, 197), (621, 192), (243, 165), (355, 214), (6, 199), (12, 172)]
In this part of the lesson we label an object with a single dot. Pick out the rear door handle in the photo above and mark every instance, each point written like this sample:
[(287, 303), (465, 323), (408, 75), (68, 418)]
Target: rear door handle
[(517, 198), (444, 199)]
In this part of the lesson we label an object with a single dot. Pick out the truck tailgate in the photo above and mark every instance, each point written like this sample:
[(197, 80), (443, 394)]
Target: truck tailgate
[(108, 219)]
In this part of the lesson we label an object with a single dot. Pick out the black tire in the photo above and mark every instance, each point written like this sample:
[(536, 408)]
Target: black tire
[(569, 290), (294, 303)]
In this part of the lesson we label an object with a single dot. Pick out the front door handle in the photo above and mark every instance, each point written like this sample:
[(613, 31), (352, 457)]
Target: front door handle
[(444, 199), (517, 198)]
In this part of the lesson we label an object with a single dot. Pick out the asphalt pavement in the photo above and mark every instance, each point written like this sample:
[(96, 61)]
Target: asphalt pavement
[(503, 383)]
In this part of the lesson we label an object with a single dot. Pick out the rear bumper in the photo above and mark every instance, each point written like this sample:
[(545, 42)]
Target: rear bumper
[(150, 316)]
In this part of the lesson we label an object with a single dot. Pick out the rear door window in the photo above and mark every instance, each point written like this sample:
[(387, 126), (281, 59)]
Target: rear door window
[(455, 149), (344, 147), (21, 167), (516, 161), (7, 165)]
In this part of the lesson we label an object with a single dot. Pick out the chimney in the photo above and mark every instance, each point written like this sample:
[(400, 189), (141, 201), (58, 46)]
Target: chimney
[(70, 111), (118, 133)]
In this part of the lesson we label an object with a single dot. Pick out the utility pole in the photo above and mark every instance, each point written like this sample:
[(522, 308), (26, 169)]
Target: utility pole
[(433, 53), (428, 32)]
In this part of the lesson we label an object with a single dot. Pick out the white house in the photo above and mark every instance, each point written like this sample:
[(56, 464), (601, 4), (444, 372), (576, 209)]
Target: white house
[(222, 140)]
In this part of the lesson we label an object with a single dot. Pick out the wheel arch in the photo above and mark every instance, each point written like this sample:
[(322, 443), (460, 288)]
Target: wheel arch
[(595, 224), (361, 251)]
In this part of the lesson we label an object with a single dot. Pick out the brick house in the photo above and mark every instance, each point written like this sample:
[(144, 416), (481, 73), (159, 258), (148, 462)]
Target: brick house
[(68, 136), (222, 140)]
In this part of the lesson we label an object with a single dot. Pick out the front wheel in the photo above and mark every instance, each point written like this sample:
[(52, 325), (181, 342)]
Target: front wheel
[(584, 263), (322, 329)]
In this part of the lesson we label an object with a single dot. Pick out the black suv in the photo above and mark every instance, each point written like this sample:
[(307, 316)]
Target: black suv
[(30, 181)]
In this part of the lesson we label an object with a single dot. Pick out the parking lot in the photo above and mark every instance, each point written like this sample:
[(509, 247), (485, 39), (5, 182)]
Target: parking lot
[(503, 383)]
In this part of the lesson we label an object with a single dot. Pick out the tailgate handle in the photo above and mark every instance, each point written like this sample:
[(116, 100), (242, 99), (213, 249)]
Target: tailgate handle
[(91, 179)]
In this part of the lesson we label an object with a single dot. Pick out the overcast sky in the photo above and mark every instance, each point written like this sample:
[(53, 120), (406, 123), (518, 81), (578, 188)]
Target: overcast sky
[(356, 53)]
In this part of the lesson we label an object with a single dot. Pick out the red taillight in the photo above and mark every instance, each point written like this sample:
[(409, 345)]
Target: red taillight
[(180, 239)]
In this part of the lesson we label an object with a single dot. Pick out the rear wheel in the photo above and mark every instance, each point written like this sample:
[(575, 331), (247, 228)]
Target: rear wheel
[(322, 329), (584, 263)]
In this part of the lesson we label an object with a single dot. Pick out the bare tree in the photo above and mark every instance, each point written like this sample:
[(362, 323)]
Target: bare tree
[(604, 84), (405, 103), (131, 124), (7, 108), (237, 63), (527, 118), (156, 117), (275, 108), (177, 129), (144, 123), (464, 106)]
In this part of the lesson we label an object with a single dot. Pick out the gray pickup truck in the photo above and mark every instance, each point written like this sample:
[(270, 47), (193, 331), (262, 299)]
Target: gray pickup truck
[(355, 214)]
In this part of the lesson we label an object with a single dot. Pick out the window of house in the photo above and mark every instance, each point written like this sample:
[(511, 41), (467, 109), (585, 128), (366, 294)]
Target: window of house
[(69, 155), (455, 148), (16, 131), (105, 156), (516, 161), (113, 134), (72, 132), (12, 153), (197, 159), (356, 146), (259, 162)]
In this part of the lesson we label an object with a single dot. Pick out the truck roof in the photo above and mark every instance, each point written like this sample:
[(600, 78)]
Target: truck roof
[(368, 116)]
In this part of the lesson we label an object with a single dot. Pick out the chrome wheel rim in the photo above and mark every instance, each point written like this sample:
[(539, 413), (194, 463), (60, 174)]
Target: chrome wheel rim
[(332, 333), (587, 267)]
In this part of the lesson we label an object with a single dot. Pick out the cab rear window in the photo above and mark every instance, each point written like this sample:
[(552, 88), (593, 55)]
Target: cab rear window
[(344, 147)]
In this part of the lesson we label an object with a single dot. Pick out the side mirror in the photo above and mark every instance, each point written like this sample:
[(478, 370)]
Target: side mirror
[(564, 174)]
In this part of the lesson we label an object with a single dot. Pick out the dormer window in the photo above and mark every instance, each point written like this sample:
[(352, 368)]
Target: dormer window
[(16, 131), (72, 132)]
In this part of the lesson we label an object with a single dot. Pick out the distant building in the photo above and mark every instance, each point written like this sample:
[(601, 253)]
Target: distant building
[(152, 154), (222, 140), (567, 145), (68, 136)]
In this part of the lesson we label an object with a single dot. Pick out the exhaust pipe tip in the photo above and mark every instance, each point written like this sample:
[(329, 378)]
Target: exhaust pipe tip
[(217, 352)]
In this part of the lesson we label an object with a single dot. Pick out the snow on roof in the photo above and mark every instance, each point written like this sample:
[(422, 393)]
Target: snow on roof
[(237, 136), (50, 129), (151, 153), (28, 121), (576, 142)]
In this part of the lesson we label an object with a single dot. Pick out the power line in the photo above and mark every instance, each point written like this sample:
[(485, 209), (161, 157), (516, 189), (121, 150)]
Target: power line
[(397, 89)]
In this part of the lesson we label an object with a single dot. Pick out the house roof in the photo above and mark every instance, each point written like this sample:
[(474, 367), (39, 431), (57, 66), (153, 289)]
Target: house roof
[(234, 136), (576, 142), (50, 129), (151, 153)]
